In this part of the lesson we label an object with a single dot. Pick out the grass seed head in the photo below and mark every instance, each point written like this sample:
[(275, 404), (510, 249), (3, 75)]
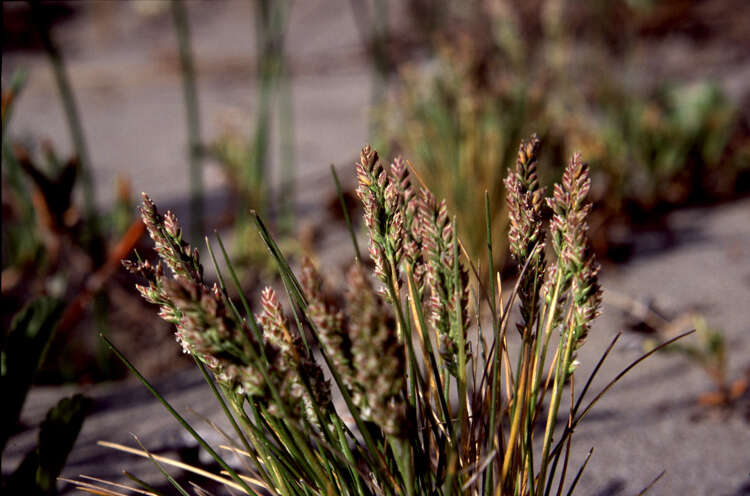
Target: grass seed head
[(569, 228), (377, 354), (167, 235), (525, 233), (328, 320)]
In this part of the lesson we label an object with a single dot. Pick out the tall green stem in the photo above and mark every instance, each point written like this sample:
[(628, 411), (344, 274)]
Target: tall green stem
[(286, 135), (266, 70), (562, 370), (182, 30)]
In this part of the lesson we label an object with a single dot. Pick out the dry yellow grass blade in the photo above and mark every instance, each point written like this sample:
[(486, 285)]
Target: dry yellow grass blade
[(121, 486), (174, 463), (246, 478), (91, 488), (236, 451), (249, 479)]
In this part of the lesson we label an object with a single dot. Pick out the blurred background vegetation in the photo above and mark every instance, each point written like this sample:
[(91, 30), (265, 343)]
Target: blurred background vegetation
[(454, 87), (579, 75)]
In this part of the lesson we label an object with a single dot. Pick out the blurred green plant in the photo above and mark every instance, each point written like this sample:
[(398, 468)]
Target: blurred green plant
[(192, 116), (248, 251), (246, 161), (499, 67), (20, 242), (51, 239), (24, 349), (471, 131), (371, 19), (42, 24), (669, 149), (708, 350), (50, 246)]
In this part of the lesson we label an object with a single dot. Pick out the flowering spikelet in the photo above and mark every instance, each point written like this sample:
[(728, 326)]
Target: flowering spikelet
[(209, 331), (434, 221), (400, 177), (292, 363), (153, 292), (385, 216), (525, 234), (377, 356), (371, 192), (587, 298), (569, 230), (412, 240), (167, 235), (328, 321), (568, 226), (274, 324), (438, 249)]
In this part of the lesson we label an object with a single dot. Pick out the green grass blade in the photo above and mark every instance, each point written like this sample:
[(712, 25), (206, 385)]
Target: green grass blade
[(143, 484), (350, 457), (626, 370), (280, 259), (223, 404), (233, 274), (248, 312), (614, 381), (171, 480), (496, 356), (578, 474), (648, 488), (345, 211), (220, 276), (419, 317), (458, 295)]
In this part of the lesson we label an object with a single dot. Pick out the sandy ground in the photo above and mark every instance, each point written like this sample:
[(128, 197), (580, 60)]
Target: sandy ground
[(125, 74)]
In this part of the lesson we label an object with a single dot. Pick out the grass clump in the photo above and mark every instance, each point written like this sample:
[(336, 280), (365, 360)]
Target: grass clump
[(430, 402)]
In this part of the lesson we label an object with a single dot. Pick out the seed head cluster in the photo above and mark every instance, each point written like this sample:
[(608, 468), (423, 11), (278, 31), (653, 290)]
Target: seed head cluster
[(377, 355), (412, 229), (569, 232), (526, 234), (210, 330), (439, 248)]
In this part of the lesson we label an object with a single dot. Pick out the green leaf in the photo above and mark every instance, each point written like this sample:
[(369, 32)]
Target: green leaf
[(23, 351), (40, 468)]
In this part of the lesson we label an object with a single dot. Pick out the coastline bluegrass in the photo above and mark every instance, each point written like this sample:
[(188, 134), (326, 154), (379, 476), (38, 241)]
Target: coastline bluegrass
[(431, 400)]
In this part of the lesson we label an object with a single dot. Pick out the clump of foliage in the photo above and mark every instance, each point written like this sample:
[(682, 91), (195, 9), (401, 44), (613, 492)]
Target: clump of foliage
[(684, 141), (430, 401)]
